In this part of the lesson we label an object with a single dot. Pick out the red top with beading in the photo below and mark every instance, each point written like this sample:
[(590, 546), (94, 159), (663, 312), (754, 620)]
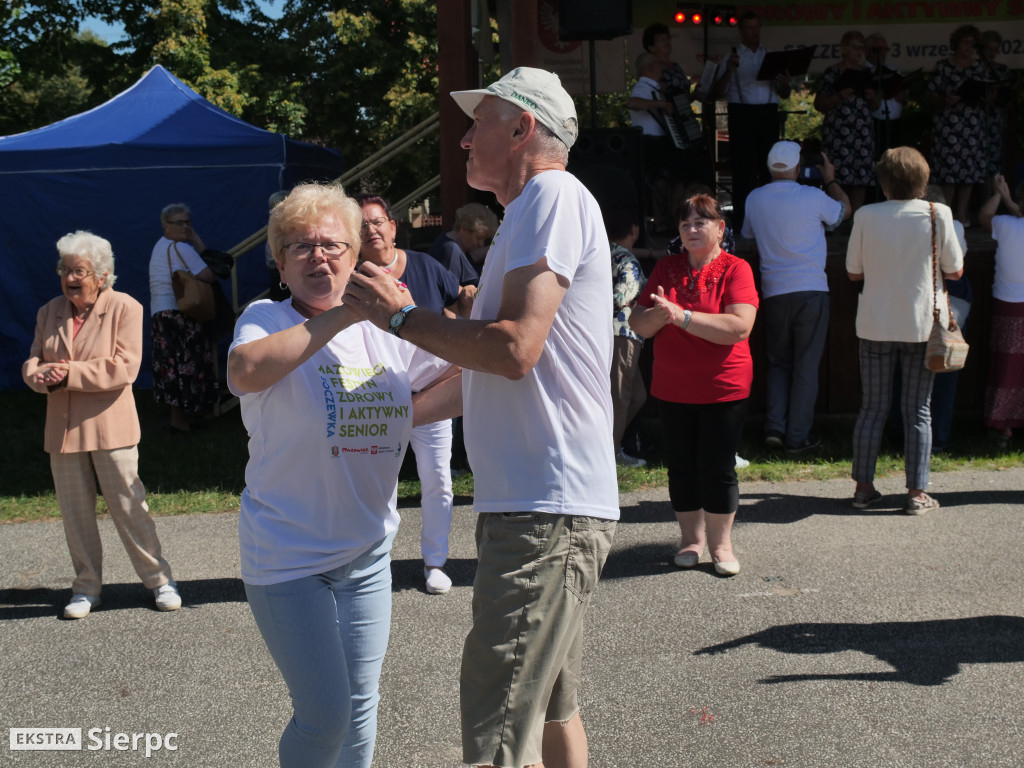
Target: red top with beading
[(688, 369)]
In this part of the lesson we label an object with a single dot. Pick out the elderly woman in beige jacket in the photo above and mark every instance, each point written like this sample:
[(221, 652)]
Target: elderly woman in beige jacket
[(890, 251), (85, 356)]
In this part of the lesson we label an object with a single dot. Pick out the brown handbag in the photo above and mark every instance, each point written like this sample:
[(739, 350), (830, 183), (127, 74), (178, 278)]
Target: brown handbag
[(947, 350), (194, 297)]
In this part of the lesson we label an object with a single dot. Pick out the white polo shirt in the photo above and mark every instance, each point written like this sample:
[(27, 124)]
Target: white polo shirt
[(789, 220)]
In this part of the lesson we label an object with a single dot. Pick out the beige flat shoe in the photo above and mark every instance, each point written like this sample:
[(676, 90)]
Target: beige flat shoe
[(727, 568), (686, 559)]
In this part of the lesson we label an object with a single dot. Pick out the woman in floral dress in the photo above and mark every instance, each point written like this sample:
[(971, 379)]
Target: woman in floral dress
[(959, 144), (995, 108), (849, 131)]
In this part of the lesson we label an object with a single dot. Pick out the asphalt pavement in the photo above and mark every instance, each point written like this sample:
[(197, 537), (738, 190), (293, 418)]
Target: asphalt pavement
[(852, 639)]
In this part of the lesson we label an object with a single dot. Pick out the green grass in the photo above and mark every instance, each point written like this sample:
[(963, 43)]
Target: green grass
[(204, 471)]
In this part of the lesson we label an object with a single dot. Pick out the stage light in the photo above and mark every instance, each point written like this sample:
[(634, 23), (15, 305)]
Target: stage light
[(680, 17)]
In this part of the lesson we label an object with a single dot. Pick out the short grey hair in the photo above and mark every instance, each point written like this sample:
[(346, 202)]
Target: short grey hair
[(476, 217), (171, 210), (94, 249), (551, 147), (642, 62)]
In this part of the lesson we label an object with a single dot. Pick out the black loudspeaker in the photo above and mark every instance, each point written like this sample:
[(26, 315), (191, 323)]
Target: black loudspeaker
[(610, 163), (594, 19)]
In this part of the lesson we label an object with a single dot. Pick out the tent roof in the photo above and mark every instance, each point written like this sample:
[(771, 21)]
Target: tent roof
[(156, 122)]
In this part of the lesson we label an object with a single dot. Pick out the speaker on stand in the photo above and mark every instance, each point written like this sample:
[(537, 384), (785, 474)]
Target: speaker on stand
[(611, 160)]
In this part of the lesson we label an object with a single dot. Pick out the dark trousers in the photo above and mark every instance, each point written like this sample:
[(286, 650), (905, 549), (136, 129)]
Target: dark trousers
[(753, 129), (701, 442), (796, 327)]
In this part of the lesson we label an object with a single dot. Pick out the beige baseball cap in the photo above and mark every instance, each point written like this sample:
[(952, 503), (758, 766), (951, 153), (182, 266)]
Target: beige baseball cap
[(537, 91)]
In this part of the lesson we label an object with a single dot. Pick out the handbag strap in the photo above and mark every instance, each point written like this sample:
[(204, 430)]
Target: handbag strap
[(177, 253), (937, 278)]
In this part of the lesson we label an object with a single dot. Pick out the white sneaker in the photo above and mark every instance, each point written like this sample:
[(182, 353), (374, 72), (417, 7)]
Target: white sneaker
[(626, 460), (741, 463), (438, 582), (80, 606), (167, 597)]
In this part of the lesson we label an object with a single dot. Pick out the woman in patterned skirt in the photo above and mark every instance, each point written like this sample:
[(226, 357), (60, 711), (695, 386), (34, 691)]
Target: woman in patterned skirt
[(1004, 395)]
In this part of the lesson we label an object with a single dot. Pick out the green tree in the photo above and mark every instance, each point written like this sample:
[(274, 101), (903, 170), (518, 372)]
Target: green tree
[(351, 74), (48, 70), (368, 73)]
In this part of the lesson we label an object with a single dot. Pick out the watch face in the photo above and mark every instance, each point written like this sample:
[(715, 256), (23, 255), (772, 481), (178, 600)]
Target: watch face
[(397, 320)]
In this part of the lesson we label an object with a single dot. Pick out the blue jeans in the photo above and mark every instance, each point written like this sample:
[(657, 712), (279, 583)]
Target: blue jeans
[(327, 634), (796, 326)]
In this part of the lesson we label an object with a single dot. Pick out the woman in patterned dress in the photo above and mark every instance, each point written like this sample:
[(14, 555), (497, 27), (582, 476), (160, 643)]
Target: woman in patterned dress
[(699, 313), (849, 130), (995, 126), (959, 144)]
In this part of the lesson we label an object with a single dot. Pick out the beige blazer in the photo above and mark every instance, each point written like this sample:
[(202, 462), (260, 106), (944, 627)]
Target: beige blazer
[(93, 408)]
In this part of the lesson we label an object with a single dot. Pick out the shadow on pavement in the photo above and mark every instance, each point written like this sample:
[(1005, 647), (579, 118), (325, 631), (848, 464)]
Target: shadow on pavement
[(921, 652), (33, 602)]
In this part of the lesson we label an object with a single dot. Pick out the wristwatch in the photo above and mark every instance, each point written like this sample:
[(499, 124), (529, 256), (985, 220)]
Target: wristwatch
[(398, 319)]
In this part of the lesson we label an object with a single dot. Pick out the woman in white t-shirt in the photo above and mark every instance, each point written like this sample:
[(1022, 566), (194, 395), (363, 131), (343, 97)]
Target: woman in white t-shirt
[(328, 407), (184, 374), (890, 251), (1004, 407)]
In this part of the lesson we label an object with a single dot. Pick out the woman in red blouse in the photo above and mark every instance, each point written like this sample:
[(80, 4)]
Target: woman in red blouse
[(700, 315)]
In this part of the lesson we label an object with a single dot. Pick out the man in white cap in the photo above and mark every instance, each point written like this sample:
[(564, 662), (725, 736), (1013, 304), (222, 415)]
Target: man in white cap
[(788, 221), (537, 418)]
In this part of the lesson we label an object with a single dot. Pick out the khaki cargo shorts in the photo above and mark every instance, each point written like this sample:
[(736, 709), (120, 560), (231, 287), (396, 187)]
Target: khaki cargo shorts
[(521, 662)]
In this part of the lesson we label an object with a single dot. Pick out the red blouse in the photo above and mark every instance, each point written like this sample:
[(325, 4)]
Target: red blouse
[(692, 370)]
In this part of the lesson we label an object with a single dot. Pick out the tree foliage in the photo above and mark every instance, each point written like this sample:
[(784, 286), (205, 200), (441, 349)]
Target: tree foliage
[(351, 74)]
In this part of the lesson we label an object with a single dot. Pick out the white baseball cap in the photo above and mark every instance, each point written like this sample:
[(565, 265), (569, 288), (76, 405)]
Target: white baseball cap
[(784, 156), (537, 91)]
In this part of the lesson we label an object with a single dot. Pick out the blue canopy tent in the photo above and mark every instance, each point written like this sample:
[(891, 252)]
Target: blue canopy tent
[(111, 170)]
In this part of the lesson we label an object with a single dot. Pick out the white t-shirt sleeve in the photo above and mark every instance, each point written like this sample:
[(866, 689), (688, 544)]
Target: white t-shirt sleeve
[(558, 237), (193, 261), (831, 211), (259, 320)]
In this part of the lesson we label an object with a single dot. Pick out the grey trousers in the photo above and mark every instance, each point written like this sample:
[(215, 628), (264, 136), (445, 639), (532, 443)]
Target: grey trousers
[(878, 361), (796, 326)]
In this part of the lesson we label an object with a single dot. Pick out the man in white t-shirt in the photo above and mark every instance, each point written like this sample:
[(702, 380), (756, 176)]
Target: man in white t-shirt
[(788, 221), (536, 355)]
